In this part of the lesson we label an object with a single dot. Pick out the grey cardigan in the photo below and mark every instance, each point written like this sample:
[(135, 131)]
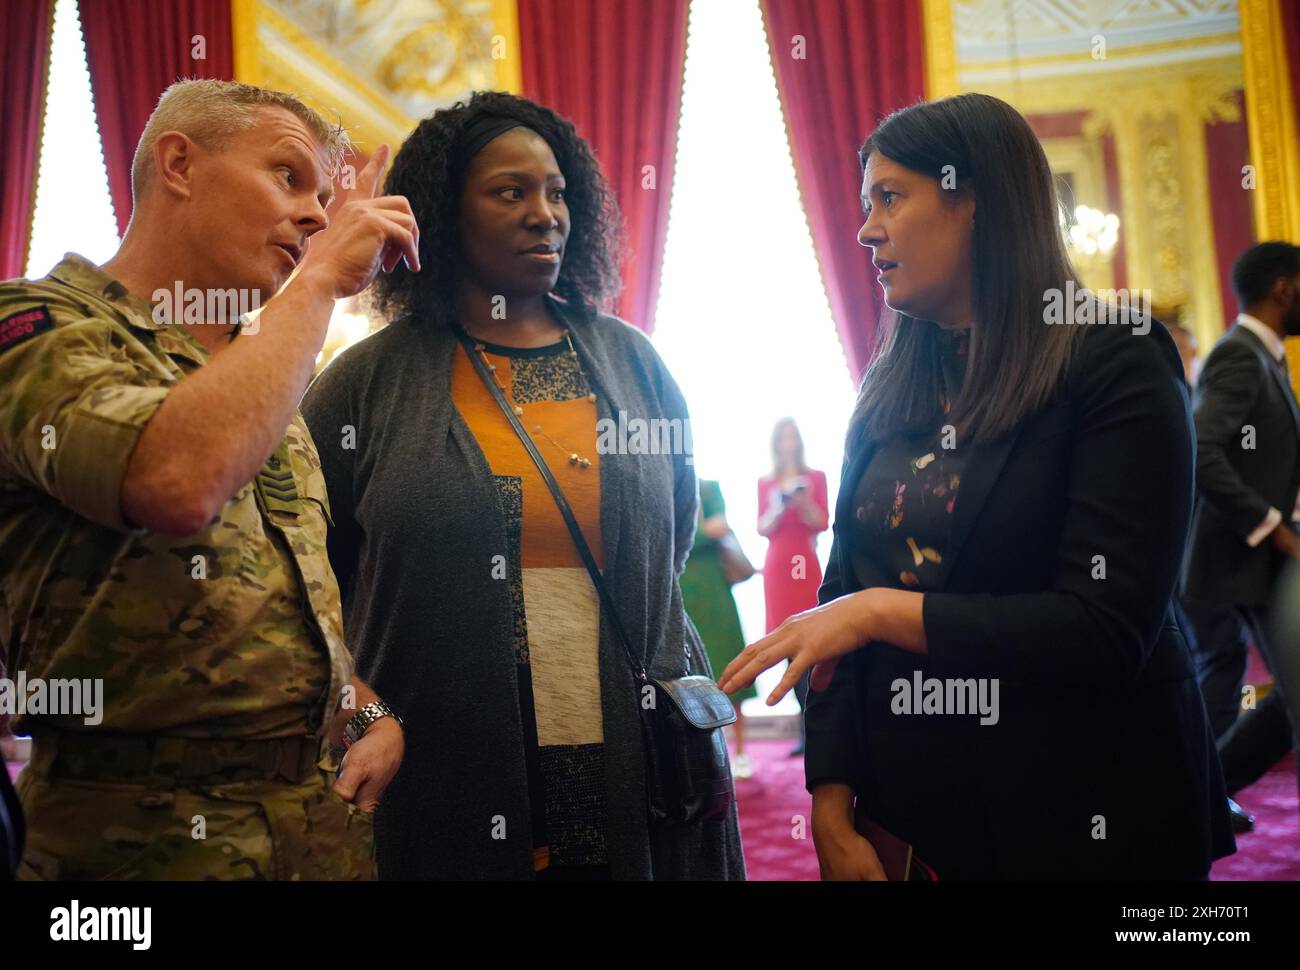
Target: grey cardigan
[(416, 527)]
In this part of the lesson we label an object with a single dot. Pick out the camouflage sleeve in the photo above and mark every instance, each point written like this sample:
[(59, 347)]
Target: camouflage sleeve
[(73, 403)]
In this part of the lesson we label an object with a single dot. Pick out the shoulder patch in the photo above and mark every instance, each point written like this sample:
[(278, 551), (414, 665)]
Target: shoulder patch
[(24, 325)]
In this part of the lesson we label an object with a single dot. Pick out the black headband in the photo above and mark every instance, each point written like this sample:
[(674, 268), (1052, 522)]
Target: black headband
[(482, 130)]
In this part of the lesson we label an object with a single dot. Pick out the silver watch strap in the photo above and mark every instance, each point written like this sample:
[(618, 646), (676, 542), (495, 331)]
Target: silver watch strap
[(360, 722)]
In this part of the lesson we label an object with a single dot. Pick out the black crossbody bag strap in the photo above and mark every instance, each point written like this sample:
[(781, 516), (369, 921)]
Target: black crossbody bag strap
[(575, 530)]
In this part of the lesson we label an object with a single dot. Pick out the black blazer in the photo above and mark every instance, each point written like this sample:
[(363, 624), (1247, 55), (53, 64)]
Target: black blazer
[(1102, 730), (1241, 384)]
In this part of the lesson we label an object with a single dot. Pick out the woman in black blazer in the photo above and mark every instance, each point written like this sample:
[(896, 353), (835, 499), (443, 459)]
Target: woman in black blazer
[(999, 679)]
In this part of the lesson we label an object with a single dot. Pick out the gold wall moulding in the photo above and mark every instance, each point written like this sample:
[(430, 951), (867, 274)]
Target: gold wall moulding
[(940, 50), (1209, 82), (1271, 120), (380, 66)]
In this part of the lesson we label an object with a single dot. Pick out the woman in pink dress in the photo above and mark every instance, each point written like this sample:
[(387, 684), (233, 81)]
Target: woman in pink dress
[(792, 510)]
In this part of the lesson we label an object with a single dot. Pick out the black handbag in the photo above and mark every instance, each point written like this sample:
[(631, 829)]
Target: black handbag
[(688, 774)]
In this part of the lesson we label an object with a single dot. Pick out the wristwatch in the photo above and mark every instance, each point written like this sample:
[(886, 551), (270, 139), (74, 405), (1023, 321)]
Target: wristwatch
[(365, 717)]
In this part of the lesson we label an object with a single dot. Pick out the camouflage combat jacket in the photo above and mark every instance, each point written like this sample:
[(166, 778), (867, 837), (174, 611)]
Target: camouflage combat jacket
[(234, 632)]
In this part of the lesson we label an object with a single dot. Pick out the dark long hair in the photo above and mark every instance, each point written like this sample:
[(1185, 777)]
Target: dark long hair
[(1015, 361), (430, 172)]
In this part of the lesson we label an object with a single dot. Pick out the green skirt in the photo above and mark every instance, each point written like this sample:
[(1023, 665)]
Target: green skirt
[(712, 609)]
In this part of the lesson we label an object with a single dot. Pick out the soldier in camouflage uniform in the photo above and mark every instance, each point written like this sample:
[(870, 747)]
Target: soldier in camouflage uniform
[(218, 637)]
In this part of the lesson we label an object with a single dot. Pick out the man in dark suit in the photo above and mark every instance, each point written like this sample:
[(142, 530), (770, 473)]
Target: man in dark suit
[(1243, 530)]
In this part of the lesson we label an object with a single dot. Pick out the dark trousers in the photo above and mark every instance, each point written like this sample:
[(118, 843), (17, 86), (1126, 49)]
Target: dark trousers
[(1249, 744), (1217, 637)]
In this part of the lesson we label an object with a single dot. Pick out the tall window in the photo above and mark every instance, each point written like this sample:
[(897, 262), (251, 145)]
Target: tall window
[(743, 321), (73, 207)]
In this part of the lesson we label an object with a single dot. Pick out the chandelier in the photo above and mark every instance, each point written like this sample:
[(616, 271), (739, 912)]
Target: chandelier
[(1092, 233)]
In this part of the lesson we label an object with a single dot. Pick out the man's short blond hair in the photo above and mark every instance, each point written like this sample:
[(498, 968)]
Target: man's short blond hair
[(212, 112)]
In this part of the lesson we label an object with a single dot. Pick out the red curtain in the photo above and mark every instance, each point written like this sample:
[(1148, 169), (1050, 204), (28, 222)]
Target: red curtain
[(1227, 150), (26, 26), (614, 68), (860, 62), (134, 51)]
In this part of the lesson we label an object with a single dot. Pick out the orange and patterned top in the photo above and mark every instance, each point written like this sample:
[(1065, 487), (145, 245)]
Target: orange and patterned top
[(556, 609)]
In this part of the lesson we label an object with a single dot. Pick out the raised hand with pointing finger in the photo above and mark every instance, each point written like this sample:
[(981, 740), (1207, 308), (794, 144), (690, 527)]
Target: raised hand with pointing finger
[(371, 232)]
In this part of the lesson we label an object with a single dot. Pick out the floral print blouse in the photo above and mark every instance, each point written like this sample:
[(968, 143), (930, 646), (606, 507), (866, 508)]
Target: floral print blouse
[(901, 514)]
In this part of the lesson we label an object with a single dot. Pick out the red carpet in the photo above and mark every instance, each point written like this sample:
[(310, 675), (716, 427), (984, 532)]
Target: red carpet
[(1272, 851), (773, 804), (775, 796)]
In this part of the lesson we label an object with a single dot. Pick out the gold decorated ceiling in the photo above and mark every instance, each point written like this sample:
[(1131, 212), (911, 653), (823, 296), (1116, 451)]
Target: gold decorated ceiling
[(379, 65)]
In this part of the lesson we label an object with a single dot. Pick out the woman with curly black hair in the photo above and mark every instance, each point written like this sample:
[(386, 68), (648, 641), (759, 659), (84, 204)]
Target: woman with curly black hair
[(466, 602)]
